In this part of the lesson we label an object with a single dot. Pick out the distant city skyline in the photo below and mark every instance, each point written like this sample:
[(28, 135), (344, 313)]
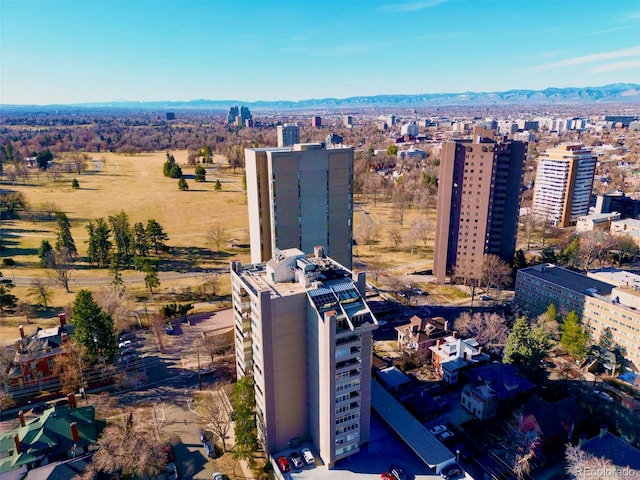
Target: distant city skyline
[(59, 52)]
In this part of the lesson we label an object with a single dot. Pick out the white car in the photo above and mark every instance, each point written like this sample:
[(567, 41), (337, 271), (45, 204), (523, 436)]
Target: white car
[(217, 476), (438, 429), (308, 456), (125, 344)]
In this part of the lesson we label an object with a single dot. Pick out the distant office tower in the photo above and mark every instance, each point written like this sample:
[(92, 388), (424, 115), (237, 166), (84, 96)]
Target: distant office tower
[(300, 197), (334, 139), (563, 184), (347, 121), (316, 122), (391, 120), (288, 134), (304, 332), (233, 113), (410, 128), (238, 116), (478, 201), (170, 116)]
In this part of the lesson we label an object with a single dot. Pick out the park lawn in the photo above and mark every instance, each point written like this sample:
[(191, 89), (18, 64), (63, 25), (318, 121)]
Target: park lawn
[(136, 185), (383, 253)]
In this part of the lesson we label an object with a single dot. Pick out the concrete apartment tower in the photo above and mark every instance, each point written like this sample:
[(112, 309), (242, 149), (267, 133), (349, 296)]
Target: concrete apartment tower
[(304, 333), (478, 202), (288, 134), (563, 184), (300, 197)]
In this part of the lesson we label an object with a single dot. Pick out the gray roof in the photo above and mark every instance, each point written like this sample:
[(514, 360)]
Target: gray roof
[(567, 278), (613, 448), (423, 443)]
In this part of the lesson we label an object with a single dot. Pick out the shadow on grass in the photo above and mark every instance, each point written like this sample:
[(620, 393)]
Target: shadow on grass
[(192, 258)]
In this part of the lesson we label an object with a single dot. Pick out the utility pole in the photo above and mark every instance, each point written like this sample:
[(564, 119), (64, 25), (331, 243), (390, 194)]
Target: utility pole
[(199, 372)]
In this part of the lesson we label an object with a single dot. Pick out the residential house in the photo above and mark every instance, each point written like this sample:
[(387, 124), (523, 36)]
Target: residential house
[(614, 449), (453, 354), (33, 363), (492, 387), (420, 334), (554, 422), (60, 433)]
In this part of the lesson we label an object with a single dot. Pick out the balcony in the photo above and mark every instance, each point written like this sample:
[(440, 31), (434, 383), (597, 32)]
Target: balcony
[(348, 365)]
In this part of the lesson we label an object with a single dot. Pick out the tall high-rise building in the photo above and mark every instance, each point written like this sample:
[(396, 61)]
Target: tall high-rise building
[(304, 333), (478, 202), (316, 122), (288, 134), (300, 197), (238, 116), (563, 184)]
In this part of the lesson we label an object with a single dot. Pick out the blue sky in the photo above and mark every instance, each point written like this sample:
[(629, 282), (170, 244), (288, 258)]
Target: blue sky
[(58, 51)]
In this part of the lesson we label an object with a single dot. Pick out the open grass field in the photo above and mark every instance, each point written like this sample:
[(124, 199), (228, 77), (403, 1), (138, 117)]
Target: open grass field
[(135, 184)]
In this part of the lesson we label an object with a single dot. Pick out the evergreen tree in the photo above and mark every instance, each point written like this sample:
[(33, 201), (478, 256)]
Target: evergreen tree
[(94, 328), (44, 252), (99, 248), (200, 174), (519, 260), (548, 255), (7, 299), (75, 184), (64, 240), (218, 186), (141, 242), (156, 235), (122, 233), (573, 336), (243, 401), (526, 347), (182, 184)]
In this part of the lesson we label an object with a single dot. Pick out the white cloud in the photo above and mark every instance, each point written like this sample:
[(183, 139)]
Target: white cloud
[(612, 67), (596, 57), (601, 32)]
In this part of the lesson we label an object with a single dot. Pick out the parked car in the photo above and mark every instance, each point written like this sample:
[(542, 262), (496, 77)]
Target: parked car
[(168, 328), (283, 464), (397, 473), (125, 344), (39, 408), (296, 460), (217, 476), (438, 429), (603, 395), (446, 435), (308, 456), (485, 298), (386, 476), (208, 448), (172, 472), (451, 472), (168, 453), (208, 369)]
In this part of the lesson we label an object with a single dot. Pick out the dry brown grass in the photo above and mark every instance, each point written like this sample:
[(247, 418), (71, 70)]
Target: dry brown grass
[(136, 185)]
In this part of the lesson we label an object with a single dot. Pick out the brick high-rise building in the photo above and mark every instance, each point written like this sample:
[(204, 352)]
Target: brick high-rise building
[(478, 202)]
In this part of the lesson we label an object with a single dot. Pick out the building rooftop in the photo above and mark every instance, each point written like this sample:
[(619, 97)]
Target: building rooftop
[(617, 277), (614, 449), (569, 279)]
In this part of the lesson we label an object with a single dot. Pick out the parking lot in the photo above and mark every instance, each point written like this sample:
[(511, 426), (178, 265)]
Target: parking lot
[(385, 449)]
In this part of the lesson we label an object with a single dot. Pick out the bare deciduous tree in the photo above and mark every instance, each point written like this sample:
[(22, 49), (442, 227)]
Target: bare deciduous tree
[(490, 329), (41, 291), (129, 446), (70, 365), (214, 344), (216, 235), (214, 415), (582, 465), (394, 235), (61, 264)]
